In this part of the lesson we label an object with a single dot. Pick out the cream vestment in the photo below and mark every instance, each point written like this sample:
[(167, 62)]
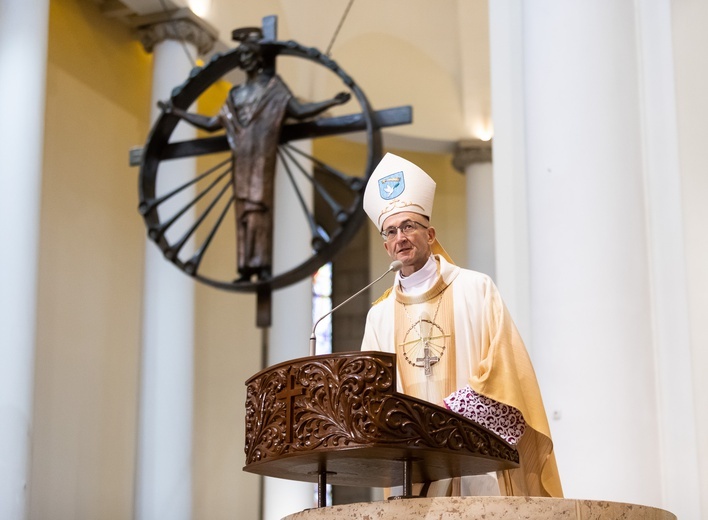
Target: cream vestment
[(476, 343)]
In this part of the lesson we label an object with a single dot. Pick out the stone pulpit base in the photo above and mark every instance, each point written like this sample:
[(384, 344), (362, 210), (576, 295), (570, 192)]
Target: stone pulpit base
[(488, 508)]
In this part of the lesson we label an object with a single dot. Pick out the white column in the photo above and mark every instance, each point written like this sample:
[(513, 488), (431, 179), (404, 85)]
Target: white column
[(473, 158), (23, 50), (165, 439), (164, 467), (292, 306), (292, 324), (480, 218), (510, 200), (672, 342), (599, 217)]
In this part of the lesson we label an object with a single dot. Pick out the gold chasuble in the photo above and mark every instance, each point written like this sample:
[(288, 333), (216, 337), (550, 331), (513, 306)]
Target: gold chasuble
[(425, 343), (461, 333)]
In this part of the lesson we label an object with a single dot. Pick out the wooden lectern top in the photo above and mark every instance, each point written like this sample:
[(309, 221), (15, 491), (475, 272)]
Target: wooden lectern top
[(339, 415)]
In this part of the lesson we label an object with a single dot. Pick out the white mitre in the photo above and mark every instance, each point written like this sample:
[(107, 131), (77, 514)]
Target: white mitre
[(398, 185)]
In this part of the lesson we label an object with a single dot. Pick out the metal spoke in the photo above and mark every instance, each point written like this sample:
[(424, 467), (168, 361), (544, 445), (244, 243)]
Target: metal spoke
[(192, 266), (354, 183), (146, 207), (336, 208), (317, 237), (158, 232), (174, 250)]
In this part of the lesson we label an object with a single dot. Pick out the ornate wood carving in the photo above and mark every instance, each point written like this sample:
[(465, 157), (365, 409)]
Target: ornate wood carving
[(340, 413)]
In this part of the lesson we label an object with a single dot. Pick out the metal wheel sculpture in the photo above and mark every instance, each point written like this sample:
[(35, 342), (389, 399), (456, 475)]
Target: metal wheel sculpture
[(188, 218)]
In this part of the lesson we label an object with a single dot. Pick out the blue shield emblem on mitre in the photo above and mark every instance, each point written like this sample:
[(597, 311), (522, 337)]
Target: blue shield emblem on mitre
[(392, 186)]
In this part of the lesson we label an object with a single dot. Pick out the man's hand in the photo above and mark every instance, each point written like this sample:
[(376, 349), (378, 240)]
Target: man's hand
[(165, 106), (342, 97)]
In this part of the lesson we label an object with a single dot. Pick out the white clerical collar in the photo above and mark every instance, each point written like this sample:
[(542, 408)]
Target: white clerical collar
[(420, 281)]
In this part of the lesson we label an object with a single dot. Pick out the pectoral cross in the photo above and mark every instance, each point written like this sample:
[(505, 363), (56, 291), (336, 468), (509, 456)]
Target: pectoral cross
[(427, 360)]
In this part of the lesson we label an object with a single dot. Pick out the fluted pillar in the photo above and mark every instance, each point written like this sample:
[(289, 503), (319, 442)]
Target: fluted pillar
[(586, 128), (23, 62), (164, 466)]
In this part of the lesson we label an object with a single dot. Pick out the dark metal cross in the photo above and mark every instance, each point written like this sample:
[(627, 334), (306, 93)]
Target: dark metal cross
[(311, 122), (289, 393), (427, 360)]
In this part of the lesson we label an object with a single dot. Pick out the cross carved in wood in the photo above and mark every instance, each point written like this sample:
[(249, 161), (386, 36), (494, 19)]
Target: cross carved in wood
[(288, 394)]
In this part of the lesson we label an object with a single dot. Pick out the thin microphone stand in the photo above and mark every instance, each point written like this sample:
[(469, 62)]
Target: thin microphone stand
[(396, 265)]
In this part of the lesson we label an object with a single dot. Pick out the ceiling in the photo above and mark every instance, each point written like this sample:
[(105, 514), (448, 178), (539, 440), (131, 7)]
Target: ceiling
[(432, 55)]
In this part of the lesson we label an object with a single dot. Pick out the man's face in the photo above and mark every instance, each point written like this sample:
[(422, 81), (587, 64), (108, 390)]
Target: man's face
[(413, 250), (249, 61)]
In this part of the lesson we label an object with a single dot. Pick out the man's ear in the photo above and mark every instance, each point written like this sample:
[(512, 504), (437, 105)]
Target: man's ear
[(431, 234)]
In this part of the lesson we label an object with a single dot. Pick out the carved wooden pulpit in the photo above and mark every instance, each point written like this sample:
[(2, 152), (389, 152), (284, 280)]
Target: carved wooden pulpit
[(338, 419)]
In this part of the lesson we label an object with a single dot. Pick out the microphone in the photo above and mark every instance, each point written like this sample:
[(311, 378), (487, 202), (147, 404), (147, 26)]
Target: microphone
[(395, 266)]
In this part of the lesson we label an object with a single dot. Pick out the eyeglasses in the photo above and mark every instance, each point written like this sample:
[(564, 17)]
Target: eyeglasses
[(406, 228)]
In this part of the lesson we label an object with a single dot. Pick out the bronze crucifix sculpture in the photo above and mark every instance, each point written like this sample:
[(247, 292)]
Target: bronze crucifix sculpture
[(259, 119)]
